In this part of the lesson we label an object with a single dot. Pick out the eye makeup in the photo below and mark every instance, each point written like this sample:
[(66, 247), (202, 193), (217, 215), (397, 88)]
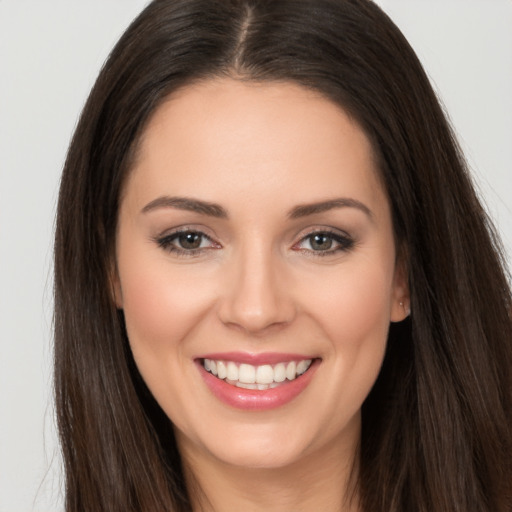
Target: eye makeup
[(189, 242), (324, 242), (186, 242)]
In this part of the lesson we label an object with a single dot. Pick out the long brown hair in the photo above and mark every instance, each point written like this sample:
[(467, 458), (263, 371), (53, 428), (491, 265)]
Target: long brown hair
[(437, 425)]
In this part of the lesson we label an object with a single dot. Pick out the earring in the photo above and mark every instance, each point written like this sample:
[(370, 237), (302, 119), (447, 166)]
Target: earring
[(407, 309)]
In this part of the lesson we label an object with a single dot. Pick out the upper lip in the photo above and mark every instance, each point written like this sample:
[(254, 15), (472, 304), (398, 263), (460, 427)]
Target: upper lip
[(256, 359)]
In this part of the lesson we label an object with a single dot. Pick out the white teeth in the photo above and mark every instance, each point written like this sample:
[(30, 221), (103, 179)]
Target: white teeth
[(247, 374), (291, 370), (222, 372), (232, 371), (280, 372), (256, 377), (302, 366), (264, 374), (244, 385)]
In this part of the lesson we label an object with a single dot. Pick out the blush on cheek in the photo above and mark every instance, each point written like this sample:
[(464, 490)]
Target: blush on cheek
[(358, 304), (146, 308), (162, 307)]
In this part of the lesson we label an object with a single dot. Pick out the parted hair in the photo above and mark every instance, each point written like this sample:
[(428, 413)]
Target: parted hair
[(436, 427)]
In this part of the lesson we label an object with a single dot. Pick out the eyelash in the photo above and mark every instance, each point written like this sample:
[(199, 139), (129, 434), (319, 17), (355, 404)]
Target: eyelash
[(344, 243), (167, 243)]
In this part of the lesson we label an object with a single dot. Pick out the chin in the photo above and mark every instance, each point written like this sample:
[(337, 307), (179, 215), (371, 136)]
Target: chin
[(245, 445), (269, 453)]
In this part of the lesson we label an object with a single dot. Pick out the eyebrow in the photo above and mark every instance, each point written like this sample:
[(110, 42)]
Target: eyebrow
[(188, 204), (215, 210), (304, 210)]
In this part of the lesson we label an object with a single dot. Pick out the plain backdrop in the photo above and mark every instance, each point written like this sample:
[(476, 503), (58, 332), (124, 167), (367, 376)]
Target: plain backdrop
[(50, 54)]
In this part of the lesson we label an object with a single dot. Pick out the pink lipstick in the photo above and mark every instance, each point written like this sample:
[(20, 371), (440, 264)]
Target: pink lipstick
[(256, 382)]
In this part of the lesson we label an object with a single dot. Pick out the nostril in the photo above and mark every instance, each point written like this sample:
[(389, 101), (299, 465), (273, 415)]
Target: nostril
[(256, 298)]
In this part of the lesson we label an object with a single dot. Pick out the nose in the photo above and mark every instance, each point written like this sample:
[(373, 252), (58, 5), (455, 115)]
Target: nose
[(256, 295)]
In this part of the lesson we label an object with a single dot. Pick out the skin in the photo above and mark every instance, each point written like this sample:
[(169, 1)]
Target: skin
[(259, 285)]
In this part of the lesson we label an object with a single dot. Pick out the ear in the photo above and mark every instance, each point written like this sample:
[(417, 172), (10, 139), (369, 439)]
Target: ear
[(116, 291), (400, 300)]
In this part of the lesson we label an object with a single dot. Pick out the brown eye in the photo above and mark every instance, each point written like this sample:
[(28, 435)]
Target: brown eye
[(320, 242), (187, 243), (190, 240), (325, 243)]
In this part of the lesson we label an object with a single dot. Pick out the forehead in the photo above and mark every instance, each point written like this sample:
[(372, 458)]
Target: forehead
[(226, 137)]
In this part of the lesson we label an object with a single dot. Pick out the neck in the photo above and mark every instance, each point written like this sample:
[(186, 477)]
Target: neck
[(321, 481)]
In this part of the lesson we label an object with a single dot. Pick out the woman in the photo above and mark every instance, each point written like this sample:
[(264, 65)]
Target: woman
[(275, 286)]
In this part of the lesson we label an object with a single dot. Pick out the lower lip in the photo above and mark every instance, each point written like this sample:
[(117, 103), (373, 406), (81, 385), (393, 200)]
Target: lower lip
[(258, 400)]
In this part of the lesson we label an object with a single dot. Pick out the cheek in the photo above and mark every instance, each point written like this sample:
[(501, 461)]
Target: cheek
[(355, 317), (356, 304), (161, 306), (162, 312), (146, 305)]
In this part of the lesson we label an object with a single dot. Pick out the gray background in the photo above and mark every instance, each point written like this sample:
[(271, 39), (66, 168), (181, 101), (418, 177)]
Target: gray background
[(50, 54)]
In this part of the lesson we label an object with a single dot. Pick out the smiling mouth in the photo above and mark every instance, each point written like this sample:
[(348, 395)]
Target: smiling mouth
[(248, 376)]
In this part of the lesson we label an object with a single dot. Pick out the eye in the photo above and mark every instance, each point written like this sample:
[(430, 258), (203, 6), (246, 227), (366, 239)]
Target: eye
[(323, 243), (187, 242), (320, 241)]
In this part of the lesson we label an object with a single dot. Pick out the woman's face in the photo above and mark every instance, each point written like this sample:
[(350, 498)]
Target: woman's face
[(256, 271)]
